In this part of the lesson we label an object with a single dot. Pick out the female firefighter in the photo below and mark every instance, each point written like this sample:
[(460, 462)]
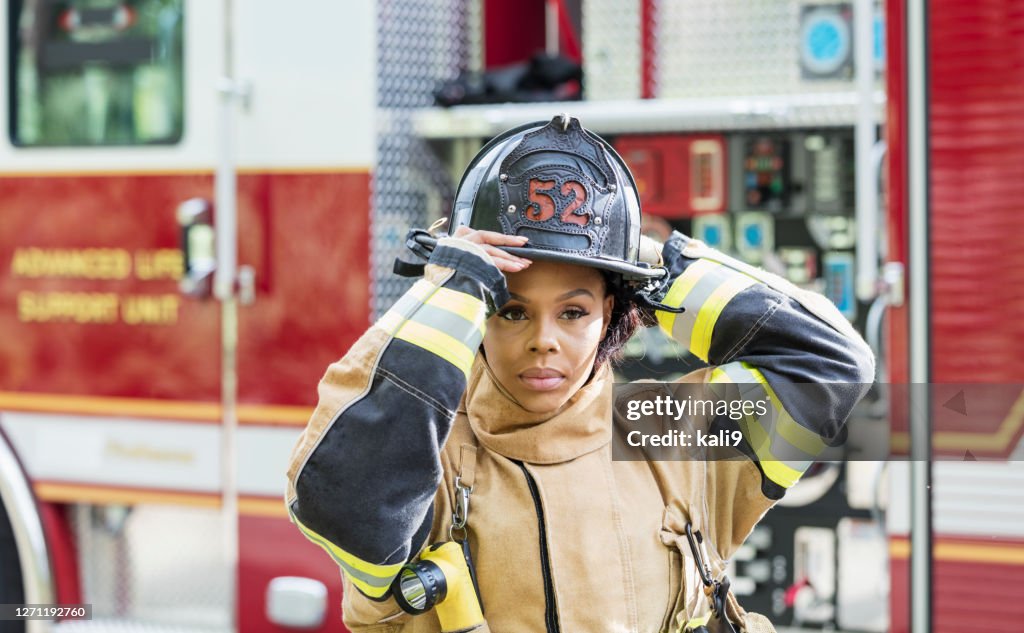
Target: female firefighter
[(470, 428)]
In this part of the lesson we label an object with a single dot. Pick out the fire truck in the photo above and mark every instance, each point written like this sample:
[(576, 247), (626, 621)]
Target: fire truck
[(151, 427), (201, 202)]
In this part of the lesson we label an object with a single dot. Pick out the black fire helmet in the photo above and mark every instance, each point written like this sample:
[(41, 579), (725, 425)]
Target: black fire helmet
[(563, 187)]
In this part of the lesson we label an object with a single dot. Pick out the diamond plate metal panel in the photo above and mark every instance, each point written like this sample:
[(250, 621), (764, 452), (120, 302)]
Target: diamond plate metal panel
[(420, 43), (611, 49), (713, 48)]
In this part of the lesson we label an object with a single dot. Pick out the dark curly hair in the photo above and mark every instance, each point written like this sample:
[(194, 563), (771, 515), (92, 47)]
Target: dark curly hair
[(627, 317)]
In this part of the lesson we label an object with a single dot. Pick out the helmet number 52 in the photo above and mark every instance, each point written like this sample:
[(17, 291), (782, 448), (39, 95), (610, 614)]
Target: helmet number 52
[(572, 196)]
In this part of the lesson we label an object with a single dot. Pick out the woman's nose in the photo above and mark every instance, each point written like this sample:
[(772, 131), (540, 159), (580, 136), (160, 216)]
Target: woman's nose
[(543, 338)]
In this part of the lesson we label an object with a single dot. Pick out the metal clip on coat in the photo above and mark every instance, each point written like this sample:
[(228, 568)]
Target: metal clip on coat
[(715, 590), (460, 514), (444, 576)]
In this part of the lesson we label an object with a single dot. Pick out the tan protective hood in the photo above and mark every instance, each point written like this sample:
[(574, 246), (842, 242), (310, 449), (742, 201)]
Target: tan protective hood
[(581, 426)]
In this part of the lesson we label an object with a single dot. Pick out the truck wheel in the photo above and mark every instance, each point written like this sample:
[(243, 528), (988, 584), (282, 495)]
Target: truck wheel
[(12, 590)]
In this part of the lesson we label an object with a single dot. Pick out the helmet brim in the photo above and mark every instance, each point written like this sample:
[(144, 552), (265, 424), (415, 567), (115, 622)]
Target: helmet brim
[(628, 271)]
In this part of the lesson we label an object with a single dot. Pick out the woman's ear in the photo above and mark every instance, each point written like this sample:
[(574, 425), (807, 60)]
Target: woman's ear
[(608, 306)]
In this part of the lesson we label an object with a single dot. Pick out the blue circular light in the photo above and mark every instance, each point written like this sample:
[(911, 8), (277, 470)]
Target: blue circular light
[(824, 41), (753, 234)]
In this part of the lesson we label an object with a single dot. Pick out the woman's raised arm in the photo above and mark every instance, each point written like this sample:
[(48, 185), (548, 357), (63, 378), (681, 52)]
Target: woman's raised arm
[(787, 345), (363, 475)]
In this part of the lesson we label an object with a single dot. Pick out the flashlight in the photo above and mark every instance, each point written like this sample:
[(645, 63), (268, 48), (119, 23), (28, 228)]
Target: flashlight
[(441, 578)]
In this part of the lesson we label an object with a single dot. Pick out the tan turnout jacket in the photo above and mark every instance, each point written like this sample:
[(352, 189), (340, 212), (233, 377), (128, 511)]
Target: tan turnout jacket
[(563, 537)]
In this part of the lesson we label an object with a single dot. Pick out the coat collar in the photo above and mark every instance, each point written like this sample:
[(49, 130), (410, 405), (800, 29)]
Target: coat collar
[(501, 425)]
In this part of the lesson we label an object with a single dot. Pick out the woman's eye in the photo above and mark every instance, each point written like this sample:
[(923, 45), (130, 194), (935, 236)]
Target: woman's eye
[(572, 314), (512, 314)]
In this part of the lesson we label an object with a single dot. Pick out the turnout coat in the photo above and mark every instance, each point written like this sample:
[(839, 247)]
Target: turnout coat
[(564, 538)]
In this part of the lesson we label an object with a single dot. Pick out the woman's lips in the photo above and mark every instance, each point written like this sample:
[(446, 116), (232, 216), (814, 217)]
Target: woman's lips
[(541, 379)]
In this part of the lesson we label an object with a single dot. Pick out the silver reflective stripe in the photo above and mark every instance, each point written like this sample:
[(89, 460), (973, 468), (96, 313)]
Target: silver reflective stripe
[(352, 572), (682, 331), (412, 299), (373, 581), (767, 435), (450, 323), (807, 441)]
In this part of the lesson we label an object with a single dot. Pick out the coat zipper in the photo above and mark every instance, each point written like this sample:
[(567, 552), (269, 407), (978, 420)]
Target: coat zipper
[(550, 608)]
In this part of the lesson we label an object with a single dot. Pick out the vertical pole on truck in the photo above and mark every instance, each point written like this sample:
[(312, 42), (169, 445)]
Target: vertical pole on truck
[(865, 149), (476, 29), (918, 166), (226, 228)]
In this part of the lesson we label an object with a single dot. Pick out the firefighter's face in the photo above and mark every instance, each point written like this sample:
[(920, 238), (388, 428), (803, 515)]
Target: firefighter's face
[(541, 345)]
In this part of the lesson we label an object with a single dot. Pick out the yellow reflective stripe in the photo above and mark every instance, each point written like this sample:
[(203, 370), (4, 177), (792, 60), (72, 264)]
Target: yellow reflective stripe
[(787, 433), (799, 436), (693, 623), (437, 342), (700, 342), (405, 306), (681, 287), (718, 375), (460, 303), (768, 444), (717, 282), (460, 329), (419, 317), (778, 471), (682, 331), (373, 580), (457, 313), (789, 429)]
